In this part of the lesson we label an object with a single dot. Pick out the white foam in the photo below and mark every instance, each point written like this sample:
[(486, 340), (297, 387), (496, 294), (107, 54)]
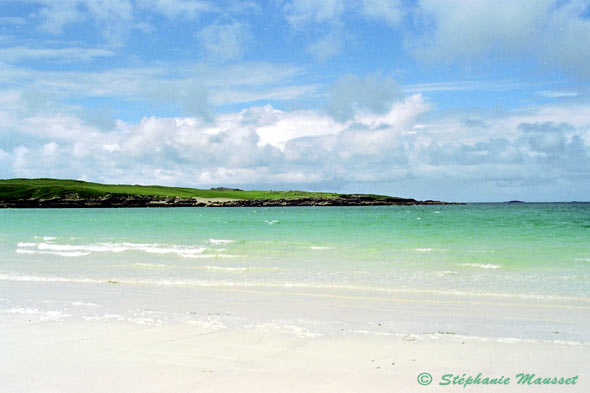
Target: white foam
[(221, 241), (144, 321), (203, 256), (74, 250), (151, 265), (282, 327), (320, 248), (445, 273), (506, 340), (271, 222), (25, 244), (227, 268), (30, 278), (482, 265), (58, 253), (23, 310), (208, 324), (297, 285), (104, 317), (54, 315), (79, 303)]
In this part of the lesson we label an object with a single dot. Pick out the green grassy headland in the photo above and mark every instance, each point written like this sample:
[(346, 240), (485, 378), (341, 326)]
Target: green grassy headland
[(14, 189)]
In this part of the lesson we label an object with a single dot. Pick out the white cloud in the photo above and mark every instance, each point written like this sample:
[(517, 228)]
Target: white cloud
[(391, 11), (188, 89), (19, 53), (13, 20), (177, 8), (302, 12), (327, 47), (468, 85), (527, 154), (113, 18), (558, 93), (453, 31), (54, 16), (225, 41), (352, 93)]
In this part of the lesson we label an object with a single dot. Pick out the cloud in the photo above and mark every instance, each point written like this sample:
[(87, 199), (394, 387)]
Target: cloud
[(352, 94), (303, 12), (185, 89), (327, 47), (13, 20), (518, 155), (60, 55), (177, 8), (558, 93), (225, 41), (112, 18), (548, 31), (547, 137), (55, 16), (390, 11)]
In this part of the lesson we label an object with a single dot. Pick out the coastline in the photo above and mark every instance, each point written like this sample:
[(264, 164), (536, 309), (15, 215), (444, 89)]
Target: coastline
[(63, 193), (140, 201)]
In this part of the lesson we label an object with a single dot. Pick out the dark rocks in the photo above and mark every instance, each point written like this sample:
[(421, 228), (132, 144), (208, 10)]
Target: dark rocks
[(112, 201), (224, 189)]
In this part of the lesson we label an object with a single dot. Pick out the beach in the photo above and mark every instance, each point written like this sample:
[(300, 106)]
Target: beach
[(94, 357), (336, 299)]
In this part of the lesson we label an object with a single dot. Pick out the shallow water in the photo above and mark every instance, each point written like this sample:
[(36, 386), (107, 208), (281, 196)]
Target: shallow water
[(502, 270)]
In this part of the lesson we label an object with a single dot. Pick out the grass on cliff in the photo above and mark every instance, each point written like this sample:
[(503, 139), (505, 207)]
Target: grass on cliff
[(11, 189)]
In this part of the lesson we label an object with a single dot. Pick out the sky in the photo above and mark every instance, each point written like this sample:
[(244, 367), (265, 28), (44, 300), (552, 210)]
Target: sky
[(486, 100)]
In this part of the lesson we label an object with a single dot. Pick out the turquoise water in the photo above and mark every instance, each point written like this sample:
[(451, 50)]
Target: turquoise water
[(497, 252)]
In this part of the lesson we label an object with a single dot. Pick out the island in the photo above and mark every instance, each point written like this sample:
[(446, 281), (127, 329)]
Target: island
[(60, 193)]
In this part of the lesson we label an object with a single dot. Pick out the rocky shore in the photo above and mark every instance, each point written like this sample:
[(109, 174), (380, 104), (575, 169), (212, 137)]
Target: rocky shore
[(114, 201)]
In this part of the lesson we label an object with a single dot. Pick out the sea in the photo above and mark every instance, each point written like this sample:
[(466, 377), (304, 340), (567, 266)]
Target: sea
[(505, 271)]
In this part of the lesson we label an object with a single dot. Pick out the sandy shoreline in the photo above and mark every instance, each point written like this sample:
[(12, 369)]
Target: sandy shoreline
[(125, 357)]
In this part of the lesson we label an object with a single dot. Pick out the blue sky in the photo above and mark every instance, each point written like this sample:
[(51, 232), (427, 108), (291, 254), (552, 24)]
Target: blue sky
[(476, 101)]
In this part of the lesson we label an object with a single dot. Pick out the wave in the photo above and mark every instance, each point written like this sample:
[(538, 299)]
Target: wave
[(77, 250), (482, 265), (221, 241), (297, 285), (58, 253)]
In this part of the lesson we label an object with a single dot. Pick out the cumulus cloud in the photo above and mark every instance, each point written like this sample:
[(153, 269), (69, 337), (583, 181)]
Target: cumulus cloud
[(547, 137), (513, 157)]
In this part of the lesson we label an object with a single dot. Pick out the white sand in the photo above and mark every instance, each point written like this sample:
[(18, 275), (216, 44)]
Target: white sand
[(66, 356)]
